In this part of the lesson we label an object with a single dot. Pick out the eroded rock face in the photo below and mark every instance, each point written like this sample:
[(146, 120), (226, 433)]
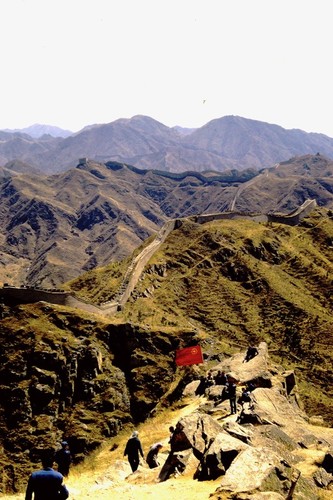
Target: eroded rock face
[(81, 383), (42, 405)]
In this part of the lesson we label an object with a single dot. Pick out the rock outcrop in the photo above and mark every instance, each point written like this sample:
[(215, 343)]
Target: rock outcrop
[(257, 454), (73, 378)]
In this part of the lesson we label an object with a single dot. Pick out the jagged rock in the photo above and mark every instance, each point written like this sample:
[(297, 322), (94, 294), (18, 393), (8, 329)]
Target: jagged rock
[(281, 441), (249, 470), (190, 389), (272, 407), (322, 478), (262, 495), (240, 432), (220, 410), (214, 392), (219, 456), (176, 463), (200, 431), (257, 369), (260, 469)]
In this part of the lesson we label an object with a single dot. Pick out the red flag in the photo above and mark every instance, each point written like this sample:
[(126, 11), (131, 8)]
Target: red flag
[(189, 356)]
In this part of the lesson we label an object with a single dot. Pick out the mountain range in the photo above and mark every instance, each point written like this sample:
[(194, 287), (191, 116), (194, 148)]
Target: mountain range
[(230, 142), (55, 227)]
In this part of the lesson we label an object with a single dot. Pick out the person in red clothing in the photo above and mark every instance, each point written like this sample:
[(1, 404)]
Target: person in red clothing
[(46, 484)]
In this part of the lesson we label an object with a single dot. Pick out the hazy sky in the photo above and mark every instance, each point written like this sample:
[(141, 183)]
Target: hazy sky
[(73, 63)]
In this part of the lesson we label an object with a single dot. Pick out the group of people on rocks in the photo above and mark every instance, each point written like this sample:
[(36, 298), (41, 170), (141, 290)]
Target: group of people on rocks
[(48, 483), (229, 384), (173, 465)]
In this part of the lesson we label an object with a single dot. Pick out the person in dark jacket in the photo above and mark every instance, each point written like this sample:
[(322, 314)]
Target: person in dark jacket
[(251, 353), (132, 450), (63, 458), (153, 455), (46, 484), (231, 392)]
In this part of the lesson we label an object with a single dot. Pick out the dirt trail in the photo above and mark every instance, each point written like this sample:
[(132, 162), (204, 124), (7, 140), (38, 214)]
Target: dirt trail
[(108, 474)]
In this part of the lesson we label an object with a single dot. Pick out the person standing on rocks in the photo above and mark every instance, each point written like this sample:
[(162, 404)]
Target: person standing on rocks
[(46, 483), (132, 450), (231, 393), (63, 458)]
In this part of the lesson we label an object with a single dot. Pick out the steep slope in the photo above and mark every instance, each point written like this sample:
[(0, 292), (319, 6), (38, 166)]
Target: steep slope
[(254, 143), (55, 227), (240, 282)]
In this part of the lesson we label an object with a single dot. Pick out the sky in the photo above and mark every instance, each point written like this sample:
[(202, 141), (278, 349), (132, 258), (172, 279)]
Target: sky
[(73, 63)]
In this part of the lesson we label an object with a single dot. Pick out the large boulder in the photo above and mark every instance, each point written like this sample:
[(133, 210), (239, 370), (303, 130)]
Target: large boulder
[(219, 456), (262, 470), (258, 369), (270, 406), (200, 430)]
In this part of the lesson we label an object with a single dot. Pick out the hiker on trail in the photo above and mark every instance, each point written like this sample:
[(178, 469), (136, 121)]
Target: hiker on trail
[(132, 450), (251, 353), (63, 458), (46, 483), (152, 455), (231, 393)]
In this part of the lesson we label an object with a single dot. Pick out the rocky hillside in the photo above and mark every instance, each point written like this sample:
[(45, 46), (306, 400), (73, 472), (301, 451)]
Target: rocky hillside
[(241, 281), (55, 227), (222, 144), (269, 449), (223, 285)]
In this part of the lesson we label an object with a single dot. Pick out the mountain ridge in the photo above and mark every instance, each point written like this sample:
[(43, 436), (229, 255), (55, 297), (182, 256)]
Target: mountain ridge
[(221, 144), (111, 208)]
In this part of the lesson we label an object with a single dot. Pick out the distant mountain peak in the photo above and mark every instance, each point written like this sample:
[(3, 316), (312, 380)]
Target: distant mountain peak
[(37, 130)]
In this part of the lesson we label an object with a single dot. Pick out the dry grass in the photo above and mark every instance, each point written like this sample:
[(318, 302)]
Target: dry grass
[(106, 474)]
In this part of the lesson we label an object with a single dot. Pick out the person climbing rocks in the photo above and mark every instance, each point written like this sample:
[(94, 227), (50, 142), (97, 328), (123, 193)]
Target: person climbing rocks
[(132, 450), (251, 353), (171, 430), (152, 455), (46, 483), (174, 463), (63, 459)]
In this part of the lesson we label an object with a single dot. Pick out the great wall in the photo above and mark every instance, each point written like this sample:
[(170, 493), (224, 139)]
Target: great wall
[(25, 294)]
